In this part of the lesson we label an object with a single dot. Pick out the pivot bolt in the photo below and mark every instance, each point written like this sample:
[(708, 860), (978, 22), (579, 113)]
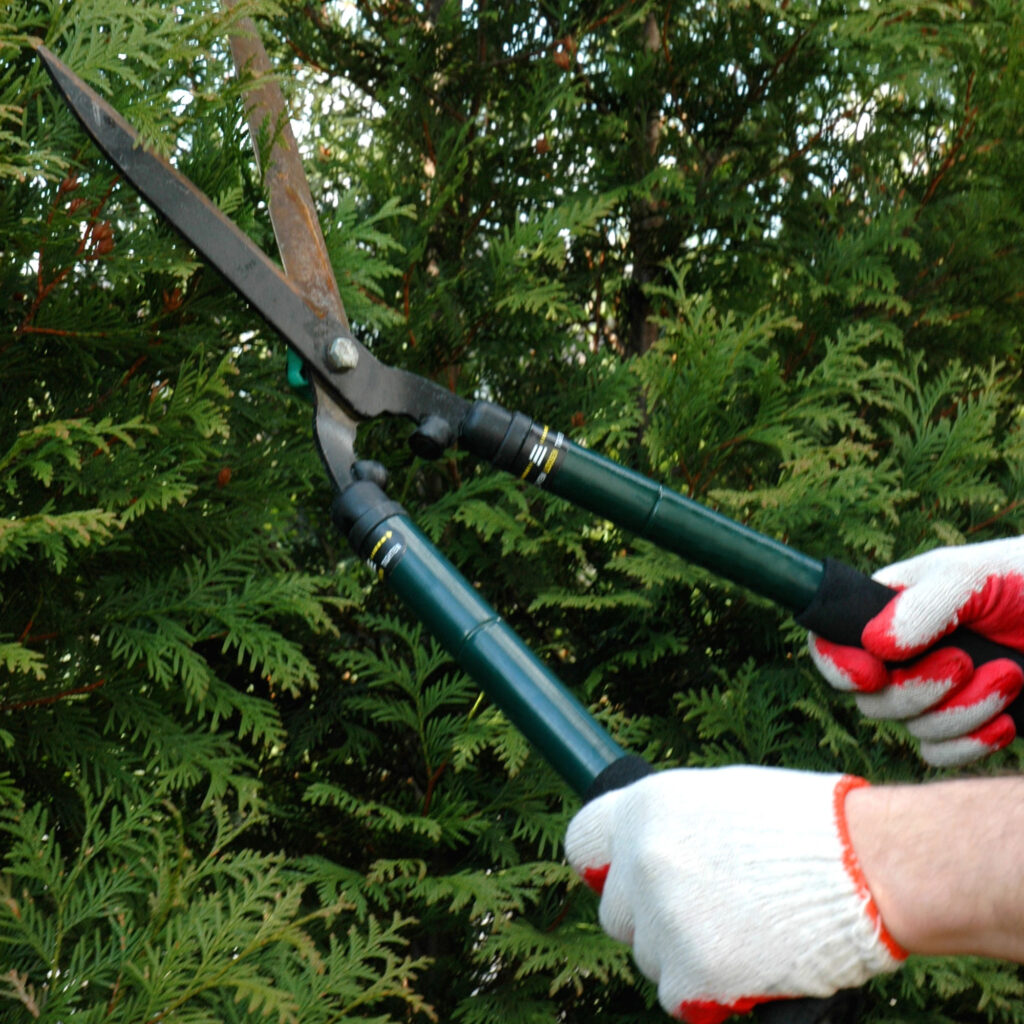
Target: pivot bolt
[(342, 354)]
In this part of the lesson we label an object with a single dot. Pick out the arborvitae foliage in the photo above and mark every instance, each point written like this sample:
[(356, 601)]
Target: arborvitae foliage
[(157, 603), (767, 253)]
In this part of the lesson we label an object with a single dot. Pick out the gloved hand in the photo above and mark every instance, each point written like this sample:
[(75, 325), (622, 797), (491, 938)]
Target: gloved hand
[(734, 886), (954, 708)]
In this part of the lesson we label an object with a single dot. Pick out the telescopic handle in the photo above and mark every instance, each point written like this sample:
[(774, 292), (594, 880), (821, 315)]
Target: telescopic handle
[(536, 454), (476, 637), (830, 598)]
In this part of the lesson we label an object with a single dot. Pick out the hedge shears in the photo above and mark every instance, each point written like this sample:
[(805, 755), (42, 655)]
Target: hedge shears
[(350, 386)]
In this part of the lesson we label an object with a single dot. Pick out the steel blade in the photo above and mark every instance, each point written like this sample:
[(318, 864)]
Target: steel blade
[(369, 388)]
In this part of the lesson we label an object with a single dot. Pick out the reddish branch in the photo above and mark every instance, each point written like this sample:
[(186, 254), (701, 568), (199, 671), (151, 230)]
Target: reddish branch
[(35, 702), (1001, 514), (127, 376), (965, 129), (98, 232), (431, 786)]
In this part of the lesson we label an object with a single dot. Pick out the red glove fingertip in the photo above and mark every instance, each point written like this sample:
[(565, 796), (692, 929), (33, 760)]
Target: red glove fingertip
[(999, 733), (715, 1013), (948, 667), (859, 670), (954, 753), (596, 877), (997, 683), (881, 637)]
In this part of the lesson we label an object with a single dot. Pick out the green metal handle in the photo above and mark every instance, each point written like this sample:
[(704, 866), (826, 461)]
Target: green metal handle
[(476, 637), (514, 442), (830, 598), (677, 524)]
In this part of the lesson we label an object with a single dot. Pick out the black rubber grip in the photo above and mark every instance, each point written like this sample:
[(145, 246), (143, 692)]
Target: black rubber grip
[(847, 600), (618, 775), (843, 1008)]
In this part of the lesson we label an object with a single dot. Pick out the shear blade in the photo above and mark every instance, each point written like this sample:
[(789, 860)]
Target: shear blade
[(368, 389)]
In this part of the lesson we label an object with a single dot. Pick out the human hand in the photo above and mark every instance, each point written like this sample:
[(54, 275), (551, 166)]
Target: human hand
[(734, 886), (954, 707)]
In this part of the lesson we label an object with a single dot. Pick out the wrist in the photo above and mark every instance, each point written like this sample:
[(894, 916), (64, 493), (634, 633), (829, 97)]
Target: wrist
[(874, 829), (931, 856)]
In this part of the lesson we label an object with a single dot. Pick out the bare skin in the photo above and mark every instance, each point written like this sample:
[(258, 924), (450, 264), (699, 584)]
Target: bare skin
[(944, 864)]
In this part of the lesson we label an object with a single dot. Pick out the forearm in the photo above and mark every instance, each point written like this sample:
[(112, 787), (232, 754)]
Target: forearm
[(945, 863)]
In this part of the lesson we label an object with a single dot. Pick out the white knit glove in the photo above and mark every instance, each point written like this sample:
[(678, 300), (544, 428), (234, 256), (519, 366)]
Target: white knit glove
[(954, 707), (734, 886)]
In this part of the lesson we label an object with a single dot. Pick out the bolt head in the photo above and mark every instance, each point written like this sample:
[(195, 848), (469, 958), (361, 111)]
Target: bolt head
[(342, 354)]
